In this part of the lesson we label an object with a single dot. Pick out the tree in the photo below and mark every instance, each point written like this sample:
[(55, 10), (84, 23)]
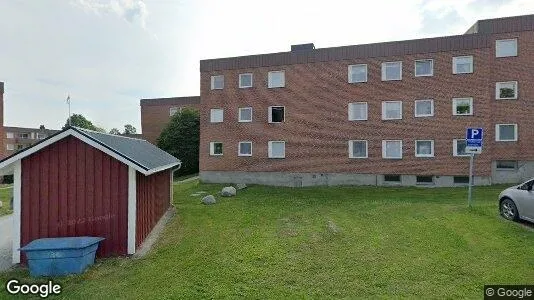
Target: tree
[(114, 131), (79, 120), (181, 139), (129, 129)]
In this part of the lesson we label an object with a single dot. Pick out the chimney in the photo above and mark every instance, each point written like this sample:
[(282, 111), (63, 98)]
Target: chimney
[(42, 127), (302, 47)]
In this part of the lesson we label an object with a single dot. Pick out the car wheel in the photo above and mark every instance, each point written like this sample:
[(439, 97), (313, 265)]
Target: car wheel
[(509, 210)]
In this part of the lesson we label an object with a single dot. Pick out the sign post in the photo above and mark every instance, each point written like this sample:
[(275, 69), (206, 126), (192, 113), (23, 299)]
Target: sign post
[(473, 138)]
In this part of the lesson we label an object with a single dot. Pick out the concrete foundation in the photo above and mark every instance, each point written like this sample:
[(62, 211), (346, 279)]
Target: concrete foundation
[(523, 172), (329, 179)]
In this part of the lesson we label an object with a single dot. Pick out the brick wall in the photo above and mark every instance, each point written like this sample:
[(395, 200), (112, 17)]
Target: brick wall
[(317, 130), (155, 114), (2, 132)]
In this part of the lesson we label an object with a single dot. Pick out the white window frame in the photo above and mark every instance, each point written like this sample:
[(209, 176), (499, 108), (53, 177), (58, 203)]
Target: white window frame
[(431, 148), (270, 149), (498, 135), (424, 115), (212, 111), (350, 73), (455, 148), (455, 104), (212, 149), (239, 119), (270, 112), (213, 82), (498, 42), (431, 67), (269, 79), (10, 147), (498, 90), (239, 148), (384, 73), (455, 69), (351, 110), (384, 152), (384, 104), (175, 109), (351, 152), (242, 86), (10, 135)]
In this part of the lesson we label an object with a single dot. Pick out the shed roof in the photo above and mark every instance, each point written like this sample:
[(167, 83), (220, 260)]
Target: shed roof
[(137, 153)]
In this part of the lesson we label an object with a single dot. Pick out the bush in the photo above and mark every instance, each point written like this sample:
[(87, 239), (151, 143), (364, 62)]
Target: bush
[(181, 139)]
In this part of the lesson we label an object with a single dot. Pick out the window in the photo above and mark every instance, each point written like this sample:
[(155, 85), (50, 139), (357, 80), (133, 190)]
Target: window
[(358, 111), (392, 149), (357, 149), (506, 90), (459, 148), (277, 149), (24, 135), (10, 135), (217, 82), (245, 114), (461, 179), (462, 106), (41, 136), (392, 178), (424, 108), (506, 165), (19, 146), (216, 148), (462, 65), (174, 110), (424, 67), (276, 114), (424, 148), (506, 132), (245, 149), (216, 115), (424, 179), (391, 110), (506, 48), (392, 71), (277, 79), (10, 147), (357, 73), (245, 80)]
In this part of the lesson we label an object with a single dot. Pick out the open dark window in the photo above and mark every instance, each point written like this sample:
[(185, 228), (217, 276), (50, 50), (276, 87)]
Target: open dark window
[(276, 114)]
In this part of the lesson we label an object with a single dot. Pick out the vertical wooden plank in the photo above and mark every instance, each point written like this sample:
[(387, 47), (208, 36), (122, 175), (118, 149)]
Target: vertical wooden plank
[(89, 187), (34, 197), (43, 192), (63, 176), (71, 186), (106, 201), (80, 188), (53, 193), (97, 223)]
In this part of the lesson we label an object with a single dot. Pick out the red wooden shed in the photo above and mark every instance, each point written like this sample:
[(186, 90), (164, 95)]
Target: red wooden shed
[(85, 183)]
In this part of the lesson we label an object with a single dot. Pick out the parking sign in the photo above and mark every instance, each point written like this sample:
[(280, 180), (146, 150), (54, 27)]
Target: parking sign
[(473, 138)]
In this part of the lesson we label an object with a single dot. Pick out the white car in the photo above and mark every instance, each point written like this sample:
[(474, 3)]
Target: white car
[(517, 202)]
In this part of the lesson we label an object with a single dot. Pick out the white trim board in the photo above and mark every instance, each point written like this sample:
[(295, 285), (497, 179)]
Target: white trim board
[(132, 209)]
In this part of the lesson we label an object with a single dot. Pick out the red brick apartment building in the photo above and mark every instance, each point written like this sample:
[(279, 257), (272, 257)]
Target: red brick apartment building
[(385, 113), (155, 113), (18, 138)]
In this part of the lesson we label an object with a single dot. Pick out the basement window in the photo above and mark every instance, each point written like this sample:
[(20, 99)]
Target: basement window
[(392, 178), (508, 165), (461, 179), (276, 114), (424, 179)]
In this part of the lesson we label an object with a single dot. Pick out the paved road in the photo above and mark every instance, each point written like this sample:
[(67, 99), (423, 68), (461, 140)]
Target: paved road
[(6, 224)]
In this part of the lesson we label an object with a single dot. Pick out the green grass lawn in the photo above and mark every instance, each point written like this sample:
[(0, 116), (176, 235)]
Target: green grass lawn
[(5, 197), (327, 242)]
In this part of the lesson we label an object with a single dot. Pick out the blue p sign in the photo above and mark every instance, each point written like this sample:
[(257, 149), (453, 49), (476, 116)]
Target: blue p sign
[(474, 134)]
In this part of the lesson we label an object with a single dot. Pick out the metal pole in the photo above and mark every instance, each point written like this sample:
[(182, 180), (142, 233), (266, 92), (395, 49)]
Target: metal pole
[(68, 102), (470, 193)]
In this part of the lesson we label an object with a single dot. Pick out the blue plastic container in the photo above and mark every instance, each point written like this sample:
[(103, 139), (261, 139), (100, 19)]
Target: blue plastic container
[(61, 256)]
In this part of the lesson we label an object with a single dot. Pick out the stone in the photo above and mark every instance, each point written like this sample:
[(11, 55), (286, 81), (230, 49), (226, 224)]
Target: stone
[(240, 186), (228, 191), (208, 200)]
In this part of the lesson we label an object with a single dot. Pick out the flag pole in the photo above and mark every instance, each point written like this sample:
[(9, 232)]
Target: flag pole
[(68, 102)]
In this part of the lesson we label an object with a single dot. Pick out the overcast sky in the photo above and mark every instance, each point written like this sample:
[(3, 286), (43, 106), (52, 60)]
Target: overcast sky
[(108, 54)]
